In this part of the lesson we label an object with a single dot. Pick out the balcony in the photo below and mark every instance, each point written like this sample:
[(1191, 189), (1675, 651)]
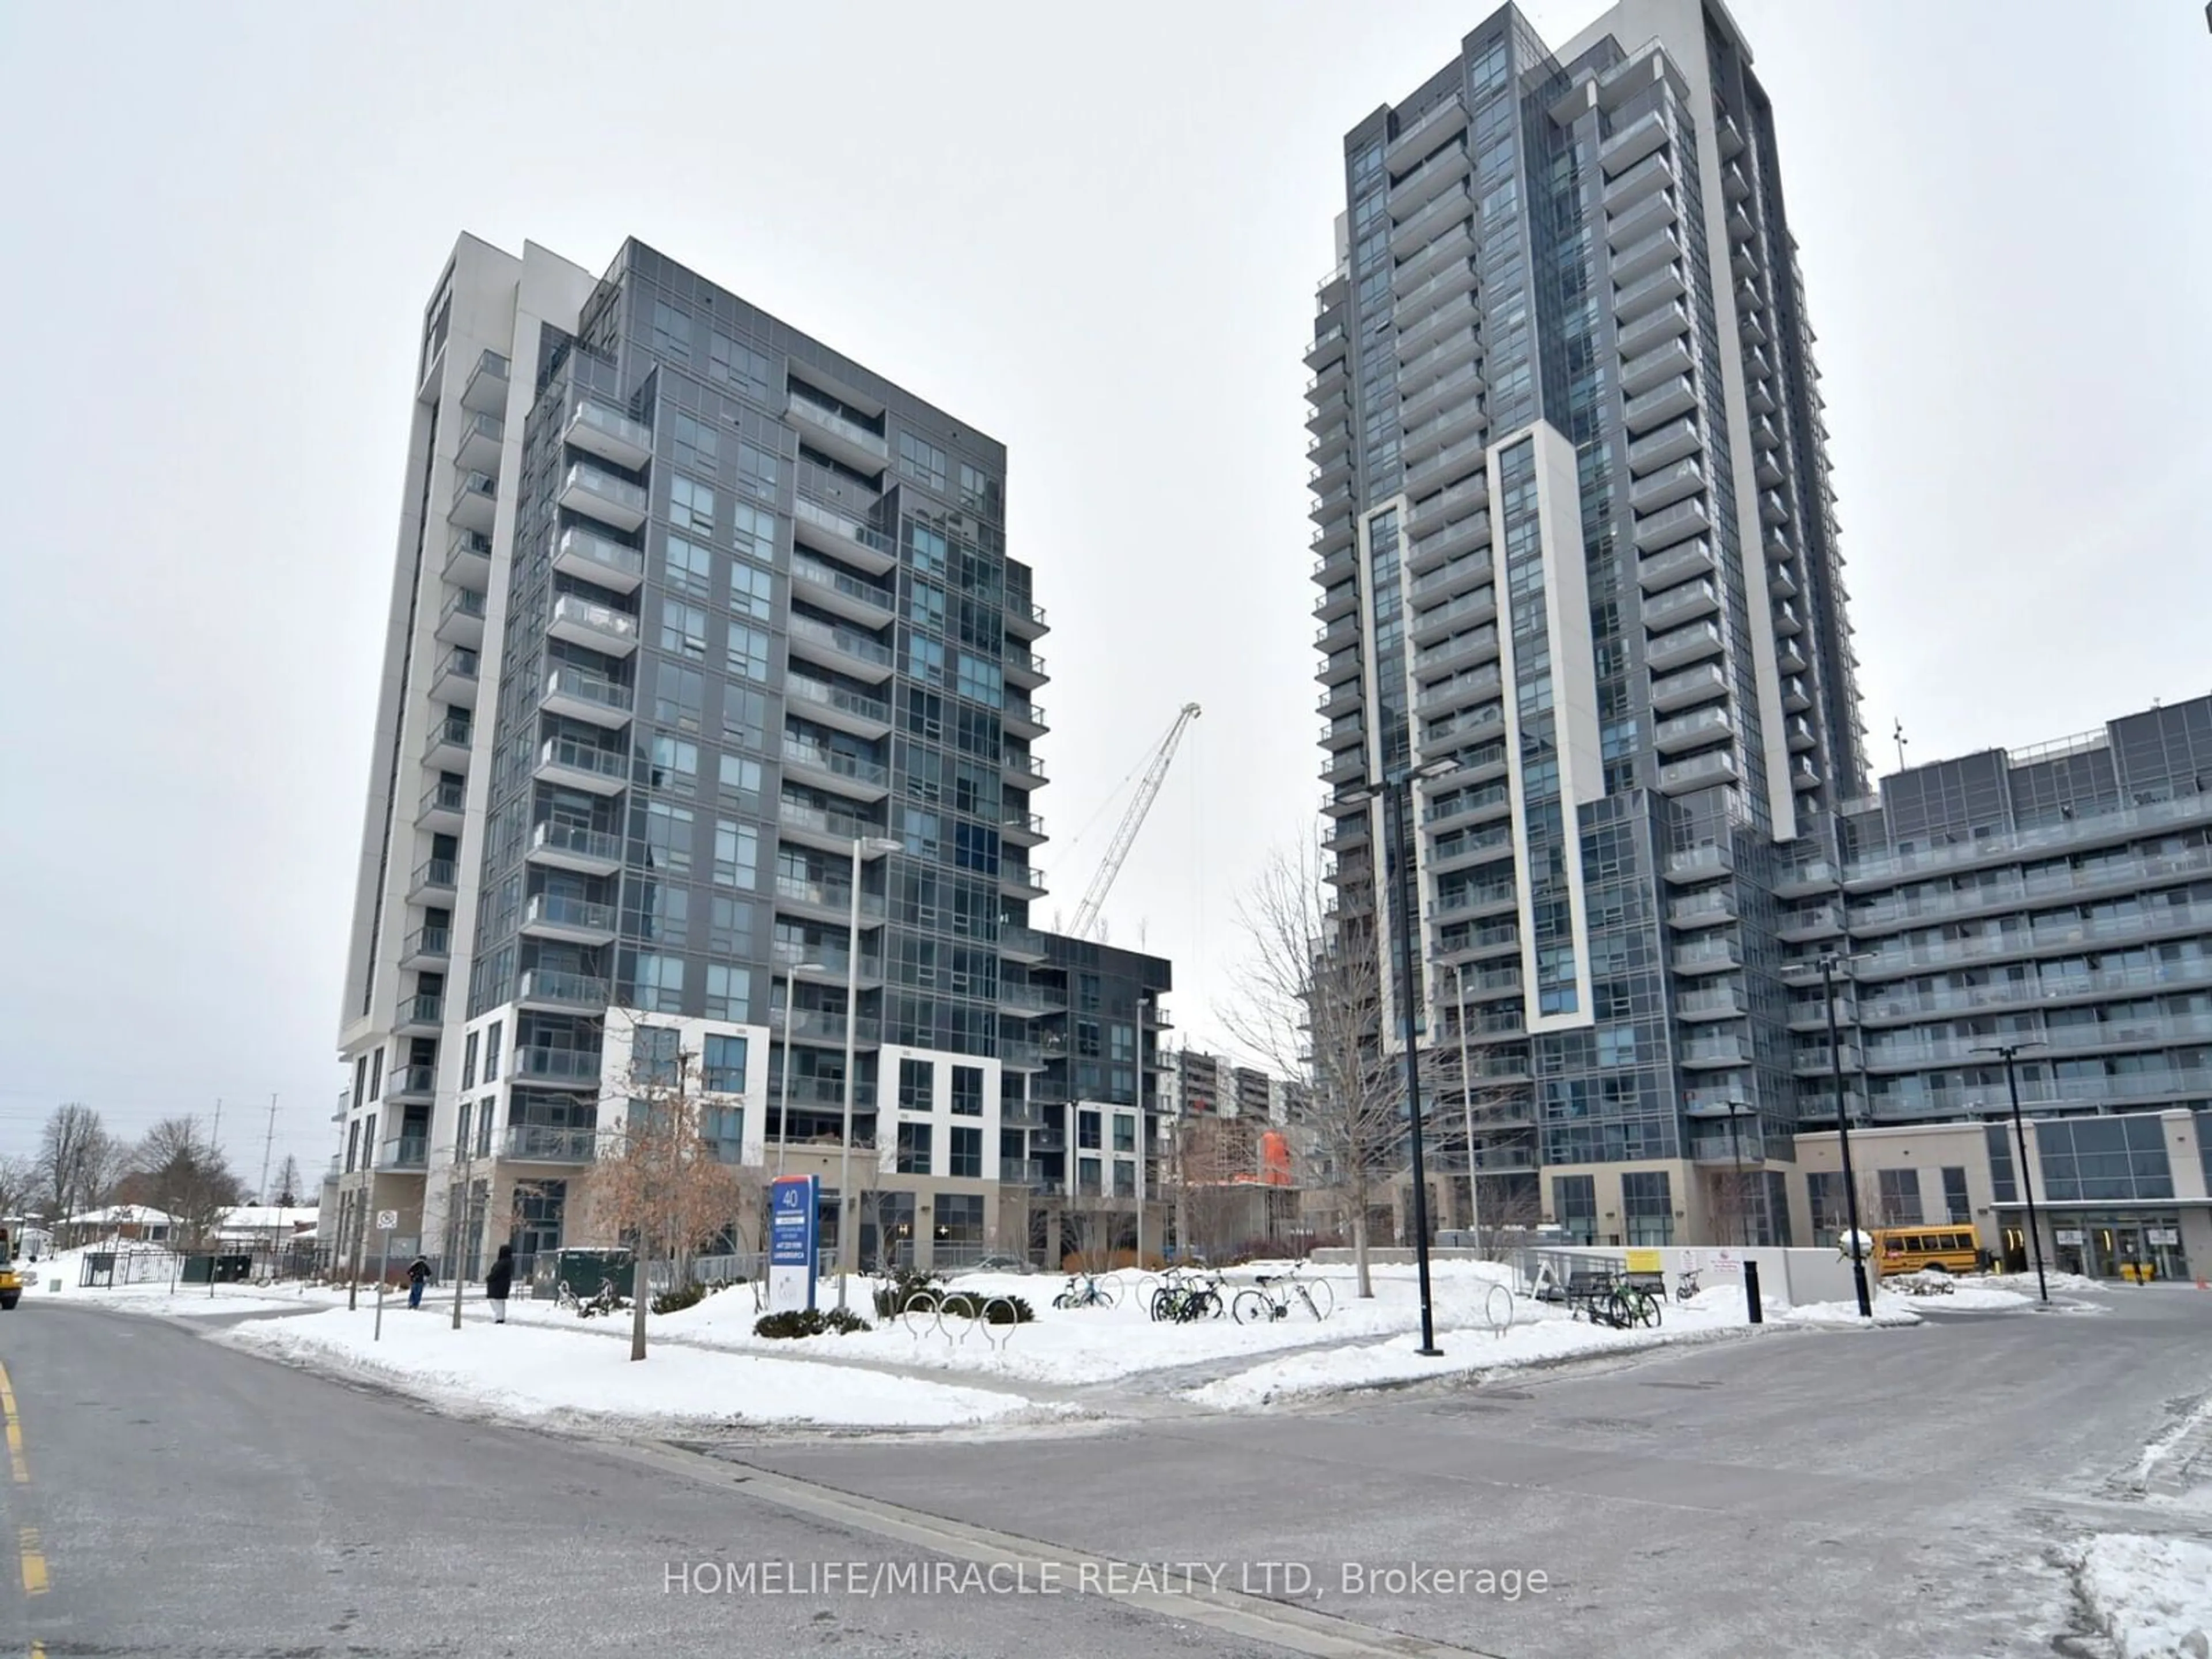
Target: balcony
[(1017, 944), (1710, 956), (842, 537), (572, 847), (485, 392), (1683, 647), (1718, 1002), (433, 882), (1023, 719), (579, 695), (608, 434), (447, 748), (1024, 670), (816, 1025), (1441, 121), (1788, 623), (427, 947), (468, 561), (1660, 404), (1697, 730), (830, 828), (1448, 466), (1022, 880), (833, 768), (475, 502), (1701, 772), (592, 558), (1668, 361), (1029, 1001), (1019, 1056), (842, 593), (1021, 828), (1815, 921), (1804, 774), (1684, 562), (830, 900), (1649, 332), (462, 621), (603, 496), (1676, 524), (482, 437), (1704, 1054), (566, 763), (1695, 863), (541, 1143), (1653, 173), (596, 627), (844, 440), (840, 706), (839, 649), (1327, 347), (1654, 213), (445, 805), (571, 920), (1025, 619), (455, 680), (411, 1083), (404, 1155), (1639, 259), (1667, 486), (1669, 443), (1709, 908), (1678, 606), (422, 1015), (1628, 145), (1021, 771)]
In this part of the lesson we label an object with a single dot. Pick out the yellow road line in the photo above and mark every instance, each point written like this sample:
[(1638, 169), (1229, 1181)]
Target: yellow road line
[(17, 1468), (35, 1582)]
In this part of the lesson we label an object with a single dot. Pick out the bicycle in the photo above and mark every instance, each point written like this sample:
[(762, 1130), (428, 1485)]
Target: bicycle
[(1095, 1292), (1628, 1305), (1183, 1302), (1272, 1296), (1686, 1283), (604, 1300)]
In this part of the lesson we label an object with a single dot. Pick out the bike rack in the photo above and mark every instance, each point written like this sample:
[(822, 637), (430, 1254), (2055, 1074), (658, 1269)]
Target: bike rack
[(1498, 1326)]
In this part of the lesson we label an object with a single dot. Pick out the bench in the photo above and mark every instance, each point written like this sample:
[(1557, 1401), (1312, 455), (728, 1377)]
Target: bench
[(1585, 1291)]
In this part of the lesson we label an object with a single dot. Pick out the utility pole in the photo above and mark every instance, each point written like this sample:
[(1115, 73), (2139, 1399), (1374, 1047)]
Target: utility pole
[(268, 1141)]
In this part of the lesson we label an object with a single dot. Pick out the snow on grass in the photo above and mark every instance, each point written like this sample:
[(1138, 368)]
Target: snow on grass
[(534, 1372), (2149, 1595), (1078, 1345), (2024, 1283), (1538, 1333), (162, 1297), (1890, 1310)]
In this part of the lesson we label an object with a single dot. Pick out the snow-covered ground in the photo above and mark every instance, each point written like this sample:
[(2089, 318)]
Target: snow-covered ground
[(529, 1371), (57, 1278), (2150, 1594), (2024, 1283), (1889, 1309)]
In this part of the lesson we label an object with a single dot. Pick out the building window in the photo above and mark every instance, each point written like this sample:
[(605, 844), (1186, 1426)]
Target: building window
[(917, 1087), (1086, 1177), (461, 1136), (959, 1218), (967, 1091), (376, 1075), (486, 1122), (913, 1149), (1125, 1177), (671, 764), (353, 1144), (690, 505), (965, 1157), (1647, 1207), (661, 838), (725, 1064), (1125, 1132), (1899, 1191), (729, 992), (741, 782), (749, 650), (756, 470), (698, 448), (654, 1055), (657, 983), (1574, 1206), (736, 364), (2002, 1186), (671, 332), (729, 928), (737, 855), (1824, 1196), (469, 1062), (1087, 1131), (752, 592), (723, 1129), (493, 1038), (680, 697), (2092, 1159), (688, 567), (979, 491), (922, 461), (1956, 1206)]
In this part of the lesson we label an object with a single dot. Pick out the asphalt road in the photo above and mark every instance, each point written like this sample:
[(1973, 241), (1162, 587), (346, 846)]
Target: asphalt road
[(1889, 1494)]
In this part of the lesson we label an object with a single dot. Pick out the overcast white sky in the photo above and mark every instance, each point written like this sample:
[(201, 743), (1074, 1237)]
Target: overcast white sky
[(1094, 235)]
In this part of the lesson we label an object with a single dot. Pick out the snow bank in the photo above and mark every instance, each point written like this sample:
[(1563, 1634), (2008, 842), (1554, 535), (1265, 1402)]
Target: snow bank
[(2149, 1595), (532, 1371), (1889, 1309)]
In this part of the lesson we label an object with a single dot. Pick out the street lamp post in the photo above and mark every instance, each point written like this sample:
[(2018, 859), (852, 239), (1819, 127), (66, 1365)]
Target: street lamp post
[(847, 1226), (1736, 1153), (1830, 961), (1397, 790), (2006, 1051), (783, 1110), (1467, 1102)]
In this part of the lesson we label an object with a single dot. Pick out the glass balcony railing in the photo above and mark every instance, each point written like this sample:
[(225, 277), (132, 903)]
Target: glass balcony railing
[(821, 575), (836, 761), (837, 697), (572, 611), (574, 757), (843, 524), (600, 846), (558, 1064), (570, 681), (569, 990), (841, 639), (830, 420), (559, 910)]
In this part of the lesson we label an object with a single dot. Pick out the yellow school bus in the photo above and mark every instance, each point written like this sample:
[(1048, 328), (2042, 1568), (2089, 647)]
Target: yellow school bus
[(11, 1284), (1955, 1250)]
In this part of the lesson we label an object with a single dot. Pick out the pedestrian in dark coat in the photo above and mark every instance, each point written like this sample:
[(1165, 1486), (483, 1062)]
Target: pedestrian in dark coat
[(418, 1275), (499, 1283)]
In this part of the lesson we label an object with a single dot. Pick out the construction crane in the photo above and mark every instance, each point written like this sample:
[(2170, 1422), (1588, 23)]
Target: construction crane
[(1094, 896)]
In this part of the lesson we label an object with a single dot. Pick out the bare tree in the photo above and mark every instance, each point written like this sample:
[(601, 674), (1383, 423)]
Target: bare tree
[(660, 1182), (77, 1159), (1309, 1004), (174, 1170), (21, 1184), (287, 1191)]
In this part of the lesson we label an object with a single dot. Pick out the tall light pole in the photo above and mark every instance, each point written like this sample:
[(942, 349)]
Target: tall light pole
[(847, 1225), (1830, 961), (2006, 1051), (1397, 791), (783, 1111), (1736, 1153)]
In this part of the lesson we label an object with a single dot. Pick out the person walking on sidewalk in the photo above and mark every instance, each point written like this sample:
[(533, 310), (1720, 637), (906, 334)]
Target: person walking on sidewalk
[(418, 1275), (499, 1282)]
